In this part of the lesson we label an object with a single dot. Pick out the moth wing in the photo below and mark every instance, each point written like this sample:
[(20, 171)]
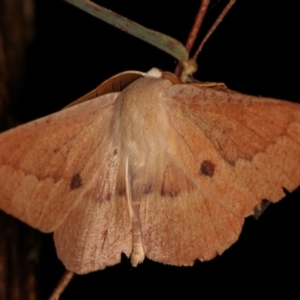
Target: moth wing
[(98, 229), (114, 84), (59, 173), (227, 152), (47, 164)]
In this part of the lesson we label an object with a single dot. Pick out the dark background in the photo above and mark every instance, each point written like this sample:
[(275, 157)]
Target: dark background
[(254, 51)]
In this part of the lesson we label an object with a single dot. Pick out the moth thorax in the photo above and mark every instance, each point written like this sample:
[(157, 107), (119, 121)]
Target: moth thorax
[(142, 109)]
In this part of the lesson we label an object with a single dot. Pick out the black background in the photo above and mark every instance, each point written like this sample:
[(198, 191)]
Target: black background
[(254, 51)]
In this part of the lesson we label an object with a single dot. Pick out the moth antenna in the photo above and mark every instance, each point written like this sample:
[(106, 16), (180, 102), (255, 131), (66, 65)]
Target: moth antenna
[(62, 284), (193, 33), (187, 68), (197, 24), (213, 27)]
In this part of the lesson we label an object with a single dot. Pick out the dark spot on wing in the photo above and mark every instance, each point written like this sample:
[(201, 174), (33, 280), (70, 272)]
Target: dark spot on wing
[(108, 196), (207, 168), (121, 190), (148, 189), (115, 151), (162, 190), (55, 179), (104, 237), (168, 189), (76, 182), (169, 192), (173, 193)]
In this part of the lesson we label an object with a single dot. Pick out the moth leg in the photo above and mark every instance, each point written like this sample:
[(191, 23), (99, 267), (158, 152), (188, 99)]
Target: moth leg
[(211, 84), (208, 84), (138, 253)]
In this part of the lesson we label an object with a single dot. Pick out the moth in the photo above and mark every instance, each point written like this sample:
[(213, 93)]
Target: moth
[(160, 169), (206, 168)]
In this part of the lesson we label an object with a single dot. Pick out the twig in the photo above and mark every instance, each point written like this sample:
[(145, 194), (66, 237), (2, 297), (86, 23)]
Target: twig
[(157, 39), (194, 32), (61, 285)]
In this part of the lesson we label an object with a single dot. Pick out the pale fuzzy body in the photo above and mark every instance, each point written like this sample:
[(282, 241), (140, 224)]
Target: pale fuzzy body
[(163, 170)]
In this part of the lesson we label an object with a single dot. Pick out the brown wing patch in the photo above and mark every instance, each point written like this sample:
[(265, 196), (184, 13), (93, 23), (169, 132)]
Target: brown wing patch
[(258, 138), (95, 234), (170, 184), (36, 175), (207, 168), (148, 189), (238, 150), (76, 182)]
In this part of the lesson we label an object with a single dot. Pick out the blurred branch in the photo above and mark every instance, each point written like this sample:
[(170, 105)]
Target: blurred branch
[(17, 242), (16, 30)]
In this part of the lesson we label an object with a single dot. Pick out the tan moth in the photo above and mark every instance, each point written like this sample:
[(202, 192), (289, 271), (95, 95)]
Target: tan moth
[(207, 168)]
